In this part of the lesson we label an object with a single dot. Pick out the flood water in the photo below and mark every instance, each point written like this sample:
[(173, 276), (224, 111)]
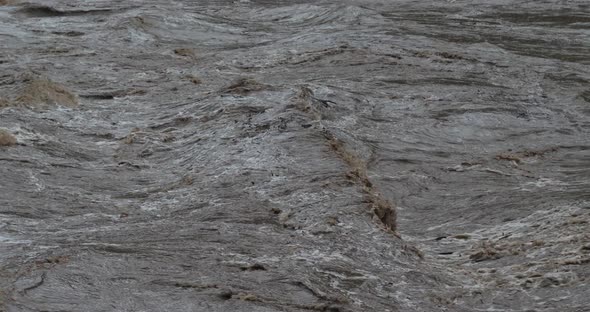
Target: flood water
[(303, 155)]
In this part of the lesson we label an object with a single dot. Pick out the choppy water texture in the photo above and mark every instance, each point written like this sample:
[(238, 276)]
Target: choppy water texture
[(254, 155)]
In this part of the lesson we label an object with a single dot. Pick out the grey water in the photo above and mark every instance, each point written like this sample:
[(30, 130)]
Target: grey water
[(303, 155)]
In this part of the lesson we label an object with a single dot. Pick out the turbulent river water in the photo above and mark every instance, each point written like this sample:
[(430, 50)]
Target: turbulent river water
[(303, 155)]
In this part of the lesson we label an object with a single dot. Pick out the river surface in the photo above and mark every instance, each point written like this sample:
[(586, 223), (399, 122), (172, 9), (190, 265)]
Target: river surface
[(300, 155)]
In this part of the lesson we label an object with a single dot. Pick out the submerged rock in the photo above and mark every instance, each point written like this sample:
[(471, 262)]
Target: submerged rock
[(6, 138), (42, 92)]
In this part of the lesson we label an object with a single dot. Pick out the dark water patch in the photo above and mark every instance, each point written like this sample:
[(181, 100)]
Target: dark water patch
[(543, 48), (452, 112), (72, 33), (110, 95), (551, 18), (445, 81), (47, 11), (567, 77), (98, 96)]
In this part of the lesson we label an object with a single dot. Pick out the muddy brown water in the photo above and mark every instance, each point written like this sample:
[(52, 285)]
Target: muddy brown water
[(295, 155)]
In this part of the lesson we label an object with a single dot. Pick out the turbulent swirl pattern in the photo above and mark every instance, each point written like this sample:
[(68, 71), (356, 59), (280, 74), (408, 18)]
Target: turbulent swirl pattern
[(300, 155)]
